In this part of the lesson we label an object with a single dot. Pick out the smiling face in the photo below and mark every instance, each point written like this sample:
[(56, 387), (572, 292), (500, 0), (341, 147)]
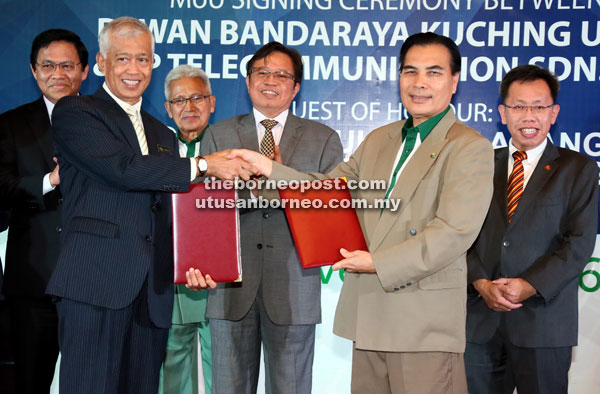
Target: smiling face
[(128, 65), (272, 96), (191, 118), (59, 83), (426, 82), (528, 129)]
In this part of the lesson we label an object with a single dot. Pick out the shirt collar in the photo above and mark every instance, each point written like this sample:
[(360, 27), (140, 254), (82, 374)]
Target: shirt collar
[(49, 106), (532, 154), (192, 142), (281, 118), (424, 128), (137, 106)]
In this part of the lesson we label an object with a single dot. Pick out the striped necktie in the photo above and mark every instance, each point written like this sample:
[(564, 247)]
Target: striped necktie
[(267, 145), (515, 184), (139, 129)]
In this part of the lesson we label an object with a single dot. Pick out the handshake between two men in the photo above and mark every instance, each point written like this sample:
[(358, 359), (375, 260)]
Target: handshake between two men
[(247, 164)]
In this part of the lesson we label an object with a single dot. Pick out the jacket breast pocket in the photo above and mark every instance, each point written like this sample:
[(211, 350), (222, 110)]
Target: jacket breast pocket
[(94, 226), (548, 200)]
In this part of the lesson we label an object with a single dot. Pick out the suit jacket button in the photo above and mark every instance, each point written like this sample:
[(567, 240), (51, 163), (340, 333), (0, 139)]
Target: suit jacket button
[(412, 232), (154, 208), (506, 244), (148, 238), (266, 215), (259, 246), (396, 288), (58, 229), (408, 284), (60, 200), (402, 287)]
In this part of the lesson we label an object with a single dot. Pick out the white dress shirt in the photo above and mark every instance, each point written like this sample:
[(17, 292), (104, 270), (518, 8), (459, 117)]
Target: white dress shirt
[(529, 164)]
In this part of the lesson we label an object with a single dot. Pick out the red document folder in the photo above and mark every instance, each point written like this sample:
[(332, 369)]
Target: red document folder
[(206, 238), (319, 233)]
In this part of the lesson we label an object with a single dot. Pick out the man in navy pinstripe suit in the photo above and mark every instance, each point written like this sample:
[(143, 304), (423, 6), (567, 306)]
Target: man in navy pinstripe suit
[(114, 275)]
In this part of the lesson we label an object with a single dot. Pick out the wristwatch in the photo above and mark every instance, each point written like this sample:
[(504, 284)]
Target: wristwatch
[(202, 165)]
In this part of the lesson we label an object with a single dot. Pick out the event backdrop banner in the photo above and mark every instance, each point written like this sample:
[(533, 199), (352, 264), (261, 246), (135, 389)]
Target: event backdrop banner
[(350, 51)]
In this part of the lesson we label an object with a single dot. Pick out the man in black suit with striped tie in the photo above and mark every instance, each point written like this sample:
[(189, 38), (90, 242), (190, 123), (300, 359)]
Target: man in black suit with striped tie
[(539, 233), (114, 275)]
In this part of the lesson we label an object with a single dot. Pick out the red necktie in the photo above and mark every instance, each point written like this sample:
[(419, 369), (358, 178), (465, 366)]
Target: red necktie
[(515, 183)]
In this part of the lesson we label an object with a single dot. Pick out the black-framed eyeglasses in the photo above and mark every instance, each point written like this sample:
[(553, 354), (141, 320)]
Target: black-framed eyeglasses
[(279, 75), (535, 109), (50, 67), (195, 99)]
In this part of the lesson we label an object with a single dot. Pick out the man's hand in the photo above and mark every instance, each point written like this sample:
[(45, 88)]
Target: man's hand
[(493, 296), (222, 167), (54, 177), (276, 155), (515, 290), (196, 281), (356, 261), (261, 163)]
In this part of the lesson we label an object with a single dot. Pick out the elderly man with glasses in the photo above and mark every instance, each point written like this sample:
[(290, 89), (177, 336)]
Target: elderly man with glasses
[(189, 103), (278, 303)]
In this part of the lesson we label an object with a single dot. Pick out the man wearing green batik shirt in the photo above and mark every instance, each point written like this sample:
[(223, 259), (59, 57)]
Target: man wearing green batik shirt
[(403, 300), (189, 103)]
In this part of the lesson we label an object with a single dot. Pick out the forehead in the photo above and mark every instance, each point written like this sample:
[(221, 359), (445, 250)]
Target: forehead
[(187, 85), (58, 51), (529, 91), (130, 41), (276, 60), (428, 56)]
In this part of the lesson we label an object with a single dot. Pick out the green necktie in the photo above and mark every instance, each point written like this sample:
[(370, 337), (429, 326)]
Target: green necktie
[(409, 144)]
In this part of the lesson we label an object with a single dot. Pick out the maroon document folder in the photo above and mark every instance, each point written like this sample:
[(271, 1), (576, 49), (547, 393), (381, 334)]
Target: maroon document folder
[(206, 238), (319, 233)]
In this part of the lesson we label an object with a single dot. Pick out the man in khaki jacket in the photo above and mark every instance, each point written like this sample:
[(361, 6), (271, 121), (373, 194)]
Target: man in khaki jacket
[(403, 301)]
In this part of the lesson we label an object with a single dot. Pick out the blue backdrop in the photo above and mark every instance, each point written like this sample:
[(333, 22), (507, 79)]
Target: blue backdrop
[(350, 50)]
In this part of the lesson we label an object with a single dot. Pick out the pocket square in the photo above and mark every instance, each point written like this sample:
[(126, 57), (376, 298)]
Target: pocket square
[(162, 148)]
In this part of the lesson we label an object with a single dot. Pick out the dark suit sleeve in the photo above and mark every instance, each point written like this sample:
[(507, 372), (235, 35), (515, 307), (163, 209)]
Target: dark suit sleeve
[(475, 269), (15, 189), (90, 140), (552, 272)]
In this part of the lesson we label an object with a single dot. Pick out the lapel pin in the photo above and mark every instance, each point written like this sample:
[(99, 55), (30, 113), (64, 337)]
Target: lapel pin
[(162, 148), (432, 155), (547, 168)]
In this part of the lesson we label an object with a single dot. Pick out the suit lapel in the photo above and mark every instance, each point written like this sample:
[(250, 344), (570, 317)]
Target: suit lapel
[(247, 133), (382, 169), (412, 174), (542, 172), (120, 117), (151, 137), (500, 182), (290, 137), (39, 124)]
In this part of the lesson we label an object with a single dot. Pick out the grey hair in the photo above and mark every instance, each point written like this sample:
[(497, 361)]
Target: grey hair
[(124, 26), (185, 71)]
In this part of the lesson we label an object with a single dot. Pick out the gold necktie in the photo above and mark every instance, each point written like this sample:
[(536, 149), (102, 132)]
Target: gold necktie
[(516, 181), (139, 129), (267, 145)]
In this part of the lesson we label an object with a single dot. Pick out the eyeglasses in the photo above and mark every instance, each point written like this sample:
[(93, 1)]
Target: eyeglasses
[(535, 109), (279, 75), (195, 99), (50, 67)]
